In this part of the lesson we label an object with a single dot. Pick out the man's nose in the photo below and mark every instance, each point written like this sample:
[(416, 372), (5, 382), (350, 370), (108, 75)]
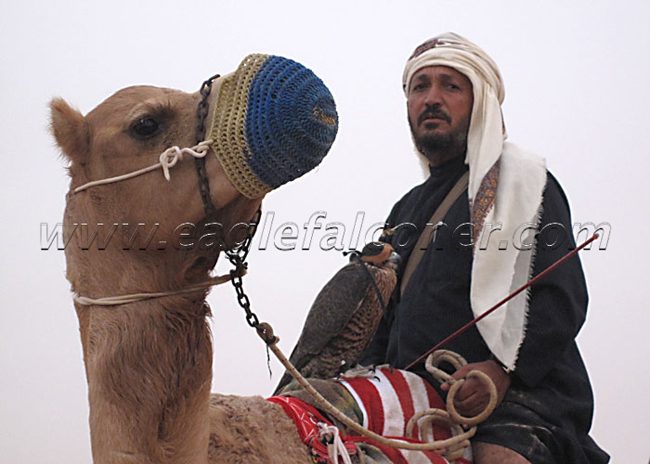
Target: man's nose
[(433, 95)]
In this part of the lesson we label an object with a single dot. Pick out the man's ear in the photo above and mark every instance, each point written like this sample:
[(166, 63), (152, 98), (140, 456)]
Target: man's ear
[(70, 130)]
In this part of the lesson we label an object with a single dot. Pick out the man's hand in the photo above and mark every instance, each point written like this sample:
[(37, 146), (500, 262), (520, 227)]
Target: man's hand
[(473, 396)]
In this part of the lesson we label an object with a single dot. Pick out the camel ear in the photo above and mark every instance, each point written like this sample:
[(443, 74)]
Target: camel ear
[(70, 130)]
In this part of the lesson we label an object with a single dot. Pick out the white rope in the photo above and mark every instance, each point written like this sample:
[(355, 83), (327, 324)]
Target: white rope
[(167, 160), (271, 340), (457, 361), (135, 297), (335, 446)]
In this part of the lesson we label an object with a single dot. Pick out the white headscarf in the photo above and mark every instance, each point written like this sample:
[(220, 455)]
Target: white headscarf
[(486, 131), (505, 188)]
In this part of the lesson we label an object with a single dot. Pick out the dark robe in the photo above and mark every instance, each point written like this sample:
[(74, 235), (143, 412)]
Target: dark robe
[(550, 378)]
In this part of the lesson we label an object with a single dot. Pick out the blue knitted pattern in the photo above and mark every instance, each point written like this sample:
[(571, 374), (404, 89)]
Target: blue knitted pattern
[(291, 121)]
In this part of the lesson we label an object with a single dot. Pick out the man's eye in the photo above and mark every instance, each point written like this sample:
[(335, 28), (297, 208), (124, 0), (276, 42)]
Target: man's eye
[(145, 127)]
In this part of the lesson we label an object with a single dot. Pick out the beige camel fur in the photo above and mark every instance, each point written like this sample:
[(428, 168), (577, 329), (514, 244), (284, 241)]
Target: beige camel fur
[(149, 364)]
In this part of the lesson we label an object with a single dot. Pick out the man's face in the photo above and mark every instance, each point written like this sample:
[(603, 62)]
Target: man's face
[(439, 104)]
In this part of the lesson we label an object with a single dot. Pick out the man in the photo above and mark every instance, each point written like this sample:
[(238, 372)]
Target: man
[(493, 239)]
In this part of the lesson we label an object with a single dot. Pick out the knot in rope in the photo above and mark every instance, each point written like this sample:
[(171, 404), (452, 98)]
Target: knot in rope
[(265, 331), (330, 434), (166, 160), (172, 155), (240, 269)]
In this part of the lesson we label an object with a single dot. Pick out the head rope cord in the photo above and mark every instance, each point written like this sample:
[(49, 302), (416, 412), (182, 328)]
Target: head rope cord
[(167, 160), (172, 155)]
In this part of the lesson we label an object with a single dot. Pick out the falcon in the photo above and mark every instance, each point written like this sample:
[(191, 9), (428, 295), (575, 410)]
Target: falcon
[(346, 314)]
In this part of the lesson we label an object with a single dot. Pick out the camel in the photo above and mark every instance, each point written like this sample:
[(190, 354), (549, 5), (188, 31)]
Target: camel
[(149, 363), (148, 355)]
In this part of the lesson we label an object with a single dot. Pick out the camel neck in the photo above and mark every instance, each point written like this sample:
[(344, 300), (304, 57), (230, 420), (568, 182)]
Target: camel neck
[(148, 364)]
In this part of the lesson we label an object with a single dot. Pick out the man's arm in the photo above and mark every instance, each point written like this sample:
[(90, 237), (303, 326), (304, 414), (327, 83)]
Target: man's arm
[(557, 310), (558, 302)]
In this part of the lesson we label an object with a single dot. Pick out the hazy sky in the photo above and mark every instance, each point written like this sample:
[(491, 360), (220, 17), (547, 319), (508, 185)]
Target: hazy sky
[(576, 79)]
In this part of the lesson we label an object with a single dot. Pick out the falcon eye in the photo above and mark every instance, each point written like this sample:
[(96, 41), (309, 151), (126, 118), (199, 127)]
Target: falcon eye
[(145, 127)]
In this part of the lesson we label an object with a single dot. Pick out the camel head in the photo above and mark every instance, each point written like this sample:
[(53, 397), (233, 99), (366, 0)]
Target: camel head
[(269, 122), (149, 362)]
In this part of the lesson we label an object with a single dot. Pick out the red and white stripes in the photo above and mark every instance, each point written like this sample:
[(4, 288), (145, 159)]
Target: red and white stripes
[(389, 399)]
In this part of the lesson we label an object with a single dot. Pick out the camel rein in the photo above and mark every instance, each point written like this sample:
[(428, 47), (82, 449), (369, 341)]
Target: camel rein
[(453, 447)]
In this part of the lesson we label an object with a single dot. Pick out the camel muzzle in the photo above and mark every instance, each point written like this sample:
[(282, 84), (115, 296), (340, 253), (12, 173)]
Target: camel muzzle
[(274, 120)]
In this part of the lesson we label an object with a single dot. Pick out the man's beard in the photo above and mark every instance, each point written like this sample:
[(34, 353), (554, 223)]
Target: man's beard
[(437, 147), (430, 143)]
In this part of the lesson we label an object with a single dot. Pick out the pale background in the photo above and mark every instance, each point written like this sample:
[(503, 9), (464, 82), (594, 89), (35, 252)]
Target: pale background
[(576, 81)]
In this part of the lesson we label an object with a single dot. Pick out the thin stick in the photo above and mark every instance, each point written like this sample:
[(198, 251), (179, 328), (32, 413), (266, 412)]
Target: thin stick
[(549, 269)]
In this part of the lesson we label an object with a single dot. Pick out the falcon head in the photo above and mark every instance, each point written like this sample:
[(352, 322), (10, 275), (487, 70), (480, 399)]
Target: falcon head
[(379, 254)]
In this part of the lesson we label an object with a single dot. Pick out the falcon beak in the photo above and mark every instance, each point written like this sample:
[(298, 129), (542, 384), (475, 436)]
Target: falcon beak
[(394, 260)]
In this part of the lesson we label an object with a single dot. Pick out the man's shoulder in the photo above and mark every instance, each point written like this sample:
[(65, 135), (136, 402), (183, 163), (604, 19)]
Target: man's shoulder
[(554, 194)]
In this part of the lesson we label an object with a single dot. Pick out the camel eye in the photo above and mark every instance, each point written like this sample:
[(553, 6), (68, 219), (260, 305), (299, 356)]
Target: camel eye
[(145, 127)]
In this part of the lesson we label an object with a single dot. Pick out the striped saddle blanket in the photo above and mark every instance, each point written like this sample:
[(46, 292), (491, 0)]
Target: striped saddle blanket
[(382, 400)]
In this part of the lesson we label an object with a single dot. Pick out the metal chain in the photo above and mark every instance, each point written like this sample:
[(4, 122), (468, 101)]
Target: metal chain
[(237, 257), (203, 107), (202, 113)]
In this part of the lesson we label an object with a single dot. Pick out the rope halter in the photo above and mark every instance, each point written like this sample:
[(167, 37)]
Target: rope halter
[(167, 160)]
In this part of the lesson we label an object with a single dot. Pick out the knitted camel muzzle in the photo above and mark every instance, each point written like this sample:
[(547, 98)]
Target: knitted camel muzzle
[(274, 120)]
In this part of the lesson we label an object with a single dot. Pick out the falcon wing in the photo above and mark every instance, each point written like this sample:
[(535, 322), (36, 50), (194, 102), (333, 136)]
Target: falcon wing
[(331, 311)]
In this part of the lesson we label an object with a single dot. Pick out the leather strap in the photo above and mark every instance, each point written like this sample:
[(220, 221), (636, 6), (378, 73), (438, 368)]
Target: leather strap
[(430, 227)]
